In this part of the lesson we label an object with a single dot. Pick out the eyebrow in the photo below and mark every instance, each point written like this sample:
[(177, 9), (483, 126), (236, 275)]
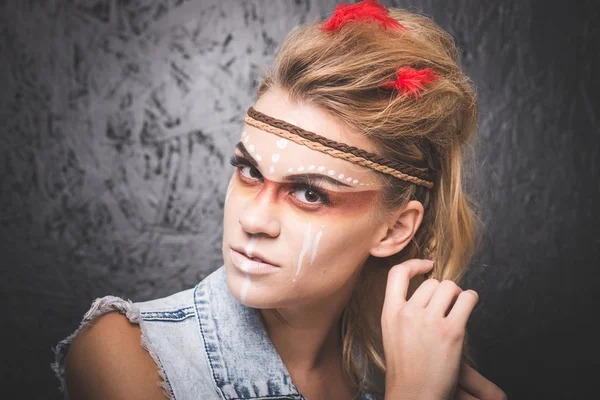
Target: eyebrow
[(297, 178), (240, 146)]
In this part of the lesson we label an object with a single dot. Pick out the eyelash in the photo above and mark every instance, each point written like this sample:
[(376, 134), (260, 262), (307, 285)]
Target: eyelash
[(238, 162)]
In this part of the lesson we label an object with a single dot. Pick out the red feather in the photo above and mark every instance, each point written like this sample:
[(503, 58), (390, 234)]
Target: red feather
[(411, 81), (367, 10)]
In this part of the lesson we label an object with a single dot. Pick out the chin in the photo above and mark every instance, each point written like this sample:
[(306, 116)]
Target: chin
[(246, 291)]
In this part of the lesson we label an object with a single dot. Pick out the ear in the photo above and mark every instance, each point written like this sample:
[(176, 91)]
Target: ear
[(405, 223)]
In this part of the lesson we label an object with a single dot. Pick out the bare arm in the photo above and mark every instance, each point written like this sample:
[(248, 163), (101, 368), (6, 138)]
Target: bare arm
[(473, 385), (106, 361)]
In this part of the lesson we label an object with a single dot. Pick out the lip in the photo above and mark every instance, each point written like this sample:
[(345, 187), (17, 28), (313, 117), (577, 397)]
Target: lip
[(255, 254), (249, 266)]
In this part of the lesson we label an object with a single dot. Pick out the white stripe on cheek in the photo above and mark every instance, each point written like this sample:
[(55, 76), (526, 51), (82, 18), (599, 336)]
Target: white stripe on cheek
[(316, 246), (305, 247)]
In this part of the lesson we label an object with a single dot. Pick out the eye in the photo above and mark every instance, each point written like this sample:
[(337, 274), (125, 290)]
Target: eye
[(245, 170), (310, 196), (249, 172)]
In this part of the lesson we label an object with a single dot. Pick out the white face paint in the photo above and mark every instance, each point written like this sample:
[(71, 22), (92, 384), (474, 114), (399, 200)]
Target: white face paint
[(316, 245), (245, 265), (309, 242), (228, 192), (250, 246), (282, 143), (275, 157), (247, 282), (305, 248)]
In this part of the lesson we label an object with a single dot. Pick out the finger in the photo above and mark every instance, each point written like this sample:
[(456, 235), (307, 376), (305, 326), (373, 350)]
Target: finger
[(463, 307), (399, 277), (476, 384), (443, 298), (422, 296), (460, 394)]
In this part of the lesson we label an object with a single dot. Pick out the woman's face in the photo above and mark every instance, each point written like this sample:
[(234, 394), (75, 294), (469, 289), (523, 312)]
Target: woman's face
[(307, 213)]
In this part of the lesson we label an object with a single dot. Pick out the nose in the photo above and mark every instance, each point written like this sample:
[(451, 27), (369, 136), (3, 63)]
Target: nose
[(259, 216)]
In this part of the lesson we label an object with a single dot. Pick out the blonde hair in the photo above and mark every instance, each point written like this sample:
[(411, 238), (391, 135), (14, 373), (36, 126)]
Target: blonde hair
[(340, 72)]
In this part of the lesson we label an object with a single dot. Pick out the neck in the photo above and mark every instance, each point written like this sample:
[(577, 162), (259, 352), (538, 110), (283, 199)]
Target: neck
[(308, 337)]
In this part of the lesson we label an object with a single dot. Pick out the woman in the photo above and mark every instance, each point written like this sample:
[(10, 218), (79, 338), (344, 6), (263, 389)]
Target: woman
[(347, 187)]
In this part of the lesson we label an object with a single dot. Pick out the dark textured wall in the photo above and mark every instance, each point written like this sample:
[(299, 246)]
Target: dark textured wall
[(118, 116)]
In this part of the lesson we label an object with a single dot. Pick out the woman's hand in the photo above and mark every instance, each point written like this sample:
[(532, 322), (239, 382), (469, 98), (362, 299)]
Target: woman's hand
[(423, 337), (474, 386)]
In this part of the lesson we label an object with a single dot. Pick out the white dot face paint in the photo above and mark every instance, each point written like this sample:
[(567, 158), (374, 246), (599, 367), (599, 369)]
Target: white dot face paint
[(275, 147), (282, 143)]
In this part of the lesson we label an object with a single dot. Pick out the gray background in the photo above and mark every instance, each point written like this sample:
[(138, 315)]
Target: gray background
[(118, 118)]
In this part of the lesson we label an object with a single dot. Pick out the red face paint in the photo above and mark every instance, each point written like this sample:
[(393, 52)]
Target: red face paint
[(300, 195)]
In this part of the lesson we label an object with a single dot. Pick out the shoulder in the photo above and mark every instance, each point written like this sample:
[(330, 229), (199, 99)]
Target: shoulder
[(106, 360), (173, 303)]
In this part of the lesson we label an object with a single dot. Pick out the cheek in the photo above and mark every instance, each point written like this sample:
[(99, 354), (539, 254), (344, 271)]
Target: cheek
[(335, 248), (341, 244), (228, 192), (231, 205)]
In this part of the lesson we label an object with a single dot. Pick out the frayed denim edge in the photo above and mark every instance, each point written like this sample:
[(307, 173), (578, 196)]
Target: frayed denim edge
[(99, 307)]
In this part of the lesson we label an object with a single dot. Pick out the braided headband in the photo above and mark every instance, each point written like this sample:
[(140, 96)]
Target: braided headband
[(338, 150)]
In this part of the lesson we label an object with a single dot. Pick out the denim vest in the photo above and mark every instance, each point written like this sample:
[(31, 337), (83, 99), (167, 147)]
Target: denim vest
[(205, 343)]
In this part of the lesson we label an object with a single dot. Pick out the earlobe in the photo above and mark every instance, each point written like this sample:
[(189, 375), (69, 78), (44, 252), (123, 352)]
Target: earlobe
[(405, 224)]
